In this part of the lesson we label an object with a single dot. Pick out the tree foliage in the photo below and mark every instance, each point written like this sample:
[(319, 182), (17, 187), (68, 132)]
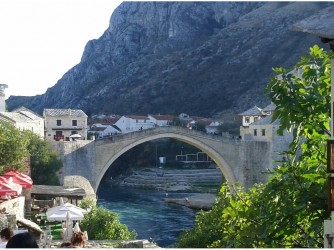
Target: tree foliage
[(289, 210), (102, 224), (43, 163), (13, 147), (17, 147)]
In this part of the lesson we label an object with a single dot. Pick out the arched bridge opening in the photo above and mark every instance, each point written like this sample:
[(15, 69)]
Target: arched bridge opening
[(107, 153)]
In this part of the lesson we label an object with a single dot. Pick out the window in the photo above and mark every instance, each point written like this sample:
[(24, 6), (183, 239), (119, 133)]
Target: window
[(247, 120), (256, 118), (59, 133), (263, 132), (58, 122), (74, 123), (255, 132), (73, 132)]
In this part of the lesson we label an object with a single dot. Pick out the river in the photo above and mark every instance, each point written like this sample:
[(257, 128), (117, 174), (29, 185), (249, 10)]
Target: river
[(145, 212)]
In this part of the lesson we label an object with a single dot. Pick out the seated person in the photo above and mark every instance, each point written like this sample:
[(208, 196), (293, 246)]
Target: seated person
[(78, 240), (5, 235), (22, 240)]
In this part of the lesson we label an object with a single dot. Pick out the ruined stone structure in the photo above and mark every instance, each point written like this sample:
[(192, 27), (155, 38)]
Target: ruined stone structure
[(240, 161)]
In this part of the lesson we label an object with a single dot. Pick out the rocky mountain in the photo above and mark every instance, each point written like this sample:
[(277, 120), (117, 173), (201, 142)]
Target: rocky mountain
[(200, 58)]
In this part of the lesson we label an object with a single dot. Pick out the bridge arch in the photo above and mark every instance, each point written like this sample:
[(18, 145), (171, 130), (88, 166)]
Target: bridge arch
[(200, 144)]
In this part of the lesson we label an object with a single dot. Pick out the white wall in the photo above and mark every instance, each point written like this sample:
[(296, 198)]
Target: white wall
[(36, 126), (128, 125)]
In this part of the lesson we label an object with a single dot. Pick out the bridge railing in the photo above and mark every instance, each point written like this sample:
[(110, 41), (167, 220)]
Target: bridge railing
[(172, 129)]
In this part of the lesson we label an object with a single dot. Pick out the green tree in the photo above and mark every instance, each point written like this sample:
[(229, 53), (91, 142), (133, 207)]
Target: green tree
[(102, 224), (289, 210), (44, 164), (232, 127), (13, 147)]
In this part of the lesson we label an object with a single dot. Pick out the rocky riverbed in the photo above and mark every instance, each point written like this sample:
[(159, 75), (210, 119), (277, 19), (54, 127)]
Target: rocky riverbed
[(199, 201), (205, 182)]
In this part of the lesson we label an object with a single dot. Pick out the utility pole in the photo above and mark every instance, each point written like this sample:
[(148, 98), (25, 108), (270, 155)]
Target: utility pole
[(156, 155)]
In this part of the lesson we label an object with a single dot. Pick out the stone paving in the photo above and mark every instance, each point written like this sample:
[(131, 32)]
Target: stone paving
[(110, 244)]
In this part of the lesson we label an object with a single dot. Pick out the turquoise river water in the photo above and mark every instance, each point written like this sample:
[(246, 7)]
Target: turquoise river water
[(146, 212)]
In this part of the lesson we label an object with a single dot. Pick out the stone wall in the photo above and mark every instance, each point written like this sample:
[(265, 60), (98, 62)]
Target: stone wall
[(79, 181), (78, 157), (255, 157)]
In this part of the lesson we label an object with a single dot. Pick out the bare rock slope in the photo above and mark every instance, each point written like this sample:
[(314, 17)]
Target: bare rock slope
[(200, 58)]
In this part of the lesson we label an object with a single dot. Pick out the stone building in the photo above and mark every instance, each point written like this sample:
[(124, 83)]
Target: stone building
[(256, 123), (265, 129), (24, 119), (252, 115), (60, 124)]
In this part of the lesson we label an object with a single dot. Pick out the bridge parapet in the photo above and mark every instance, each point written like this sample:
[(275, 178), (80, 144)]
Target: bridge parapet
[(172, 129)]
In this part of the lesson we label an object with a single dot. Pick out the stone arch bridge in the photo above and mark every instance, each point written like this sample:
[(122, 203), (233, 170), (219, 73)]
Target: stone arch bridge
[(239, 160)]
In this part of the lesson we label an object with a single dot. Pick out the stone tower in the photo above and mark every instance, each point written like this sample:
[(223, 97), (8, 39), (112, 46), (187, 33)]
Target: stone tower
[(2, 97)]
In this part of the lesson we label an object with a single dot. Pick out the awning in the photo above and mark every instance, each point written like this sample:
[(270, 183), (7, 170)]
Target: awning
[(9, 189), (16, 172), (18, 179)]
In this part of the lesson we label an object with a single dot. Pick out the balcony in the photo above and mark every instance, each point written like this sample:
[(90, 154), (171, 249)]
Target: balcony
[(58, 137)]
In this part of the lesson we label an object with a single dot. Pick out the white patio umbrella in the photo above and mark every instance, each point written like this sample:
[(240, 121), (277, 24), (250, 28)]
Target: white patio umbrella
[(68, 229), (59, 213), (68, 205)]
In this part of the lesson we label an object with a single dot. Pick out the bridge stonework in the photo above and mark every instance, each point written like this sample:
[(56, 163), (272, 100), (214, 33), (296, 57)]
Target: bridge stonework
[(240, 161)]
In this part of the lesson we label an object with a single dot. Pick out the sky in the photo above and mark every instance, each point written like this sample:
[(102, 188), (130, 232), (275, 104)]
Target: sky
[(41, 40)]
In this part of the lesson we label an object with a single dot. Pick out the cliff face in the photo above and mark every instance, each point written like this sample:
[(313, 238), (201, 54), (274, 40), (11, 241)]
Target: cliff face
[(201, 58)]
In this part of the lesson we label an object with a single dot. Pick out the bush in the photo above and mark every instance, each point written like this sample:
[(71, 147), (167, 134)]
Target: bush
[(102, 224)]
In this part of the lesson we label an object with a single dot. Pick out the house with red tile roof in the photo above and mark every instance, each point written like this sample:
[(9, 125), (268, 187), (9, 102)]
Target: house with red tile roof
[(131, 123), (103, 130), (161, 120), (210, 125)]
